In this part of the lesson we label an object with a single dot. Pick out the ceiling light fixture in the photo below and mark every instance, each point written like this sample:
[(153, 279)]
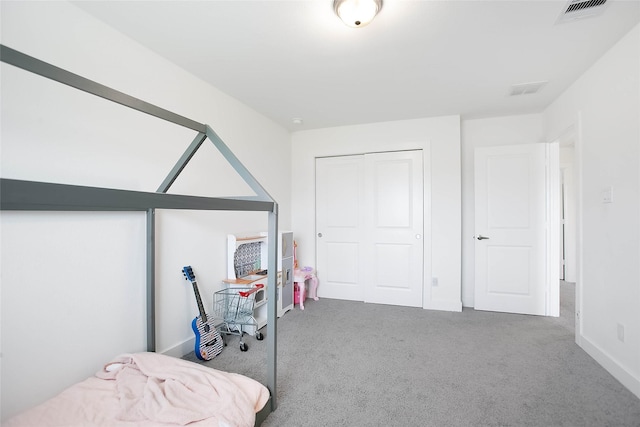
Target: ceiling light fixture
[(357, 13)]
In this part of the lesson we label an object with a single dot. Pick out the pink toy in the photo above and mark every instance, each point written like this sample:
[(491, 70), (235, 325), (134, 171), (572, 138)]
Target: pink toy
[(300, 276), (297, 294)]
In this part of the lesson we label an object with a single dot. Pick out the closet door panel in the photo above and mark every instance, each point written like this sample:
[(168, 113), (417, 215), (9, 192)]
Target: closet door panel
[(339, 217), (394, 228)]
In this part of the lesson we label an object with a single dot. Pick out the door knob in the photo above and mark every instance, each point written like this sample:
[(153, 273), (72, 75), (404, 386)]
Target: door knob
[(319, 234), (481, 237)]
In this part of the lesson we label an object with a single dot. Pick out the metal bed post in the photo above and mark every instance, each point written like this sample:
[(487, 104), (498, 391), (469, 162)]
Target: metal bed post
[(272, 315), (151, 280)]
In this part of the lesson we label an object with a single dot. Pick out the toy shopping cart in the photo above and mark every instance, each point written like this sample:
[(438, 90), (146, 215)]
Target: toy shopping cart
[(235, 307)]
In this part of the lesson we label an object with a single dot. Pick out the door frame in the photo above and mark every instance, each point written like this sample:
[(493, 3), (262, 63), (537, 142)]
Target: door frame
[(573, 131), (553, 230), (425, 148)]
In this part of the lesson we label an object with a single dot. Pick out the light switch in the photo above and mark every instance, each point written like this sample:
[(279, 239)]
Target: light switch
[(607, 195)]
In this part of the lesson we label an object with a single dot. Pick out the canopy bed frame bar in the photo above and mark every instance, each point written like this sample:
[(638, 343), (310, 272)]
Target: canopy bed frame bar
[(19, 195)]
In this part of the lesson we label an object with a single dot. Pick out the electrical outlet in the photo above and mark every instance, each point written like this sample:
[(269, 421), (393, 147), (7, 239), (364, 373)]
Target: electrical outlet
[(434, 281), (620, 332)]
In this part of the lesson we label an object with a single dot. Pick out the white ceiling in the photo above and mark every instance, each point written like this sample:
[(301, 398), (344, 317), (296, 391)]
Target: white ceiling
[(295, 58)]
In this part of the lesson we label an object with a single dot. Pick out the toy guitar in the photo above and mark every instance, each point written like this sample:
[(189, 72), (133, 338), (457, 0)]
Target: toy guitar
[(208, 340)]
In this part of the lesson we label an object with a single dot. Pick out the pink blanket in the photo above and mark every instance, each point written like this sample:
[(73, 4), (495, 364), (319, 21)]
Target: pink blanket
[(145, 389)]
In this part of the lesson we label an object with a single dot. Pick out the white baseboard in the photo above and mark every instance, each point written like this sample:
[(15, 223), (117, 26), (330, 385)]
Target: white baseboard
[(181, 349), (442, 305), (614, 368)]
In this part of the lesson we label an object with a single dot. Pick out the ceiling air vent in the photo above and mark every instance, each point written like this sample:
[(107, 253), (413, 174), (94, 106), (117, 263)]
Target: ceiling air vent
[(577, 9), (526, 88)]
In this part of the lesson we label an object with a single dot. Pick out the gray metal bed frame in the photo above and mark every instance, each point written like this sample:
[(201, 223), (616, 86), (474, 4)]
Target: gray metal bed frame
[(18, 195)]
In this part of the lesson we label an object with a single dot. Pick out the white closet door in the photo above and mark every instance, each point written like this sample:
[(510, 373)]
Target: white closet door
[(394, 228), (369, 214), (339, 220)]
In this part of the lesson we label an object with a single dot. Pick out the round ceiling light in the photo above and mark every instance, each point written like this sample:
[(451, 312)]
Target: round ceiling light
[(357, 13)]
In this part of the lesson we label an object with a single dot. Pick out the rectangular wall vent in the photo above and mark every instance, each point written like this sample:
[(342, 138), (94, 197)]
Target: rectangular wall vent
[(584, 4), (577, 9)]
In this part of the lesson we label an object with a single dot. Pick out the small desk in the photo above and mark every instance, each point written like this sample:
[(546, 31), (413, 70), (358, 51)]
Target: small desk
[(300, 276)]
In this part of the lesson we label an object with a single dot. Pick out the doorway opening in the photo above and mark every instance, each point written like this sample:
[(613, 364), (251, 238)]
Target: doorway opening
[(568, 244)]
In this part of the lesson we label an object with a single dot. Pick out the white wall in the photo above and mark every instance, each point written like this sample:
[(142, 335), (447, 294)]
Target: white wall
[(488, 132), (73, 283), (440, 139), (604, 105)]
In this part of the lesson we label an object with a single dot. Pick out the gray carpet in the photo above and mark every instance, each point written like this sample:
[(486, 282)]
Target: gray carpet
[(343, 363)]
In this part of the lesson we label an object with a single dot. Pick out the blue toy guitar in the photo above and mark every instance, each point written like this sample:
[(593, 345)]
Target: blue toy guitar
[(208, 340)]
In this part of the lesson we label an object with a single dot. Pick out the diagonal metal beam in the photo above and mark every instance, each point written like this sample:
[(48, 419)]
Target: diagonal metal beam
[(36, 66), (182, 162), (237, 165)]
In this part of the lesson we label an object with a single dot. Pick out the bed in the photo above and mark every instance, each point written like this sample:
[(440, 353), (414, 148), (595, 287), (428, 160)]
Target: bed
[(151, 389), (104, 399)]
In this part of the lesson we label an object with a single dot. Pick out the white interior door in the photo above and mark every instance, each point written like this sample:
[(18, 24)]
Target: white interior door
[(339, 226), (369, 225), (394, 228), (510, 229)]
